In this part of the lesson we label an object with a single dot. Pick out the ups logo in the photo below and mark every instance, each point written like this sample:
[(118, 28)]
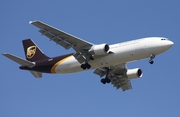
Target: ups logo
[(31, 51)]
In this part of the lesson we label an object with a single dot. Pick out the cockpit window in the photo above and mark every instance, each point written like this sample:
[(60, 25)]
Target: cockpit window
[(163, 39)]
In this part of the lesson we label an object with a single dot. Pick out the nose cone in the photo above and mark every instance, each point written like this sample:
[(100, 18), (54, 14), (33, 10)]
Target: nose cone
[(166, 45), (170, 44)]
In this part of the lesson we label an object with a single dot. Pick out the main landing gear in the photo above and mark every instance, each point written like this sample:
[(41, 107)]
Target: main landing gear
[(106, 79), (151, 59), (86, 65)]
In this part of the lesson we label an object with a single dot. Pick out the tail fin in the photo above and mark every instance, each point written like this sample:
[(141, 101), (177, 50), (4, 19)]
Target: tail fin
[(32, 51)]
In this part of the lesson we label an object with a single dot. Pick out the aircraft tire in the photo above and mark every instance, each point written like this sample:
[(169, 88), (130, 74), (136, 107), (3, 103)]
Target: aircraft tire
[(83, 66), (103, 81), (151, 62), (108, 80)]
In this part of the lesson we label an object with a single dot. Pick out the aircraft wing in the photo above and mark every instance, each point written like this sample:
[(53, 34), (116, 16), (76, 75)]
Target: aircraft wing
[(64, 39), (60, 37), (116, 75)]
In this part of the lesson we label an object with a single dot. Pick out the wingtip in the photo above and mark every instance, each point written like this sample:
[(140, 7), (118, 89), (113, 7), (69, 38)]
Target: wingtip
[(31, 22), (4, 53)]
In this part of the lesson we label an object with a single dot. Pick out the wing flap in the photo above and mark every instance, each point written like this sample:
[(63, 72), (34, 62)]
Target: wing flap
[(123, 83), (57, 39)]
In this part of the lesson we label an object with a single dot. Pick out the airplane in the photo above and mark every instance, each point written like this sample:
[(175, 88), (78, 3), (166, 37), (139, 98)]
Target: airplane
[(109, 61)]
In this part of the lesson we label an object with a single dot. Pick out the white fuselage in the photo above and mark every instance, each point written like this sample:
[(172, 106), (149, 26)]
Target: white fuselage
[(121, 53)]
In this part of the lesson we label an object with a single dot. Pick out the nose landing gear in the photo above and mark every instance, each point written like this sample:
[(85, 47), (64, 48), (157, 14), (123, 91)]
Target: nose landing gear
[(151, 59)]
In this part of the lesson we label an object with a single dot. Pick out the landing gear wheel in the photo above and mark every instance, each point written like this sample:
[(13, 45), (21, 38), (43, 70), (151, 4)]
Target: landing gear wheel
[(152, 56), (151, 61), (103, 81), (88, 66), (85, 66), (108, 80)]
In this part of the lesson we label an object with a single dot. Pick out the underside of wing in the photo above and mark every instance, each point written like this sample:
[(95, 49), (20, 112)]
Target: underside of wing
[(121, 82), (119, 76)]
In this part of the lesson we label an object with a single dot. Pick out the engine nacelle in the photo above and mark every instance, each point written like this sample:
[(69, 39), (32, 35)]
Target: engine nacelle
[(134, 73), (99, 49)]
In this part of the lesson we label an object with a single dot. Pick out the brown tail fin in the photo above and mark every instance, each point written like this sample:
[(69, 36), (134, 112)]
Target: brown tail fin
[(32, 52)]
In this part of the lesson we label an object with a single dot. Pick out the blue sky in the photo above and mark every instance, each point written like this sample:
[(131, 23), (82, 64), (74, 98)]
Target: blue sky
[(81, 94)]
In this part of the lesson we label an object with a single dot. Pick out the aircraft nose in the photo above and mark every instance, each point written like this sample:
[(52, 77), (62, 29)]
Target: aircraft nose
[(167, 45), (158, 46), (170, 44)]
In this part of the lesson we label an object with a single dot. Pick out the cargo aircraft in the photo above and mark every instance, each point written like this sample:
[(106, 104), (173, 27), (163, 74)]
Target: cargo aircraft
[(109, 61)]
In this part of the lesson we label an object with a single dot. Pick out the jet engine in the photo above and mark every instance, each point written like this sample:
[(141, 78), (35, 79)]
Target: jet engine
[(134, 73), (99, 49)]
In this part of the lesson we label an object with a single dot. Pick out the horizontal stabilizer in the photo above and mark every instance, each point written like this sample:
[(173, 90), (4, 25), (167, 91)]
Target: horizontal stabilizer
[(36, 74), (18, 60), (23, 63)]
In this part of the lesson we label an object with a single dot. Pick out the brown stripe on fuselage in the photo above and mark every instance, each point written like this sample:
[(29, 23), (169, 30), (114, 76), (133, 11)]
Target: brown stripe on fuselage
[(59, 62), (46, 65)]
